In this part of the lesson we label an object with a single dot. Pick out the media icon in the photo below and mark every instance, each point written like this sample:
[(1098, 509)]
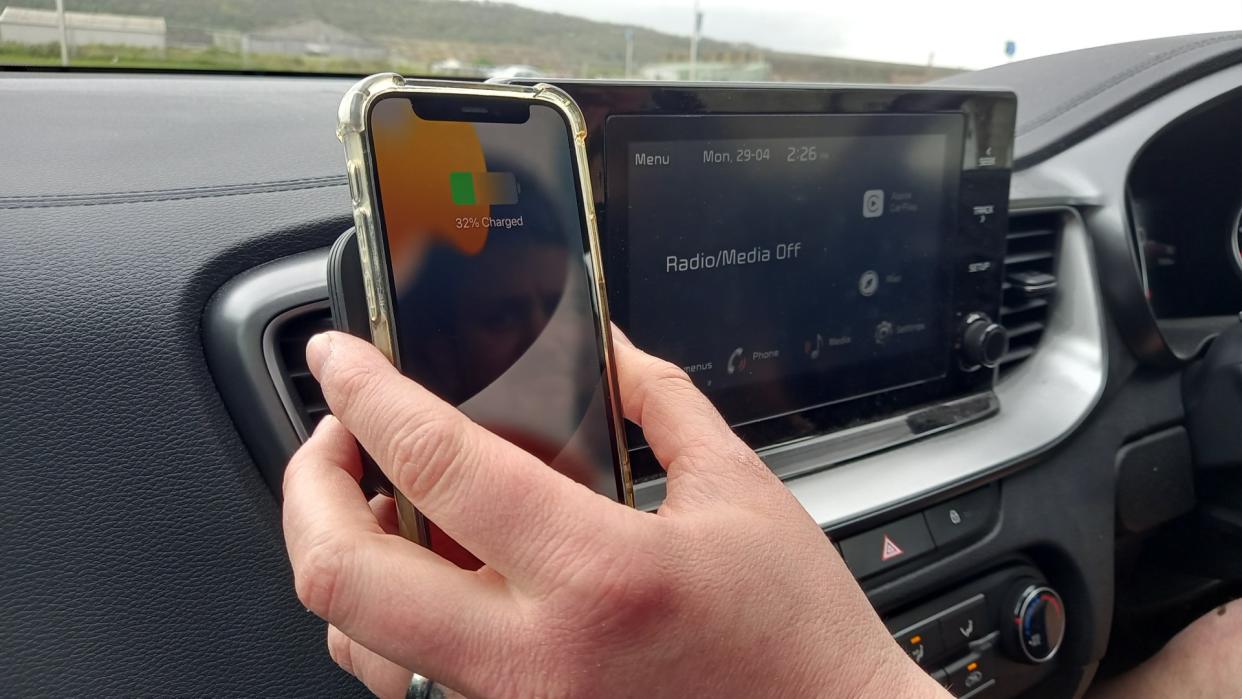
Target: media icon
[(812, 348), (868, 283), (873, 203)]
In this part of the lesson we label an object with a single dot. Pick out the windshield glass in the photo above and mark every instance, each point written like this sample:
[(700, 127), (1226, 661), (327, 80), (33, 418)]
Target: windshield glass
[(876, 41)]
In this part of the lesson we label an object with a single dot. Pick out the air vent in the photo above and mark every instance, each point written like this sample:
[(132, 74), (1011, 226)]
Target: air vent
[(1030, 282), (301, 394)]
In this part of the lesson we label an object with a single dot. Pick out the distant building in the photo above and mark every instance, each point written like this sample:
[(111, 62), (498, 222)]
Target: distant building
[(21, 25), (753, 71), (312, 38), (515, 71)]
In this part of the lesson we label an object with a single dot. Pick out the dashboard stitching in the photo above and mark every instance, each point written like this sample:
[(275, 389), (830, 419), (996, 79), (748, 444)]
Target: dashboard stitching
[(258, 183), (1117, 79), (158, 195)]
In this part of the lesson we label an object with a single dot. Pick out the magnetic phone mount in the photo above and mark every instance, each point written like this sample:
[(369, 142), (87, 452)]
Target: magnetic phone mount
[(346, 292), (348, 300)]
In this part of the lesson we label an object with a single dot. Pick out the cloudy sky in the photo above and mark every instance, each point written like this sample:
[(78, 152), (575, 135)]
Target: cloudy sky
[(958, 33)]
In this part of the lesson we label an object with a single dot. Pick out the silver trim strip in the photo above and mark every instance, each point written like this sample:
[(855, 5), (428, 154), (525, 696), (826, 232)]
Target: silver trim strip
[(1042, 401), (804, 456)]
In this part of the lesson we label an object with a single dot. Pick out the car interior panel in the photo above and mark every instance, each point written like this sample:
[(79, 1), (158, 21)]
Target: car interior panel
[(1017, 429)]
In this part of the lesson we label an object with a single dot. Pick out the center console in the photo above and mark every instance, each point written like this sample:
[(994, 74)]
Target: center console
[(827, 264), (824, 263)]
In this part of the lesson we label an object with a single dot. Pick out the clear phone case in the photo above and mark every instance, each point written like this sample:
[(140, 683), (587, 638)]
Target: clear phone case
[(352, 132)]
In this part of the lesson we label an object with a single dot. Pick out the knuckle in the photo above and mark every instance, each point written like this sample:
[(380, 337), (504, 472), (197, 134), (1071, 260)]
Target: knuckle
[(664, 379), (620, 594), (319, 576), (340, 649), (423, 455), (668, 375)]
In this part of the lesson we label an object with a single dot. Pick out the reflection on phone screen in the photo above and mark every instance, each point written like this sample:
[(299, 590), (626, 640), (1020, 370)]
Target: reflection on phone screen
[(493, 305)]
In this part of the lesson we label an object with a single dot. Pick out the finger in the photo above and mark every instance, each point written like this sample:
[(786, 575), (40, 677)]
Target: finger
[(684, 430), (389, 594), (380, 675), (499, 502), (385, 510)]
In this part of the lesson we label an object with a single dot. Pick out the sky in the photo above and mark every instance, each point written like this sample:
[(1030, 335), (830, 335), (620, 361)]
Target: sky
[(952, 33)]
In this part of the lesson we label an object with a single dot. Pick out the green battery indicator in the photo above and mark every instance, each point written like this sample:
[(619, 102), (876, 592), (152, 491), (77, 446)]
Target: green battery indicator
[(493, 188)]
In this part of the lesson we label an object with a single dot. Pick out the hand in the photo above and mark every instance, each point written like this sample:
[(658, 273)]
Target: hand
[(1203, 660), (731, 589)]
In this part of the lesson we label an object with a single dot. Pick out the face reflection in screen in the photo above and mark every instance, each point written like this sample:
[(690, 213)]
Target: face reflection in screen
[(470, 318)]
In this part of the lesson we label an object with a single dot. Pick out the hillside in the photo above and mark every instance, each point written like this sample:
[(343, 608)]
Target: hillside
[(485, 32)]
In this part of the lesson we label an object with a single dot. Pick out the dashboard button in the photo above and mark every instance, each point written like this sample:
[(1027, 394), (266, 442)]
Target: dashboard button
[(965, 624), (970, 676), (887, 546), (1039, 620), (922, 642), (984, 343), (961, 518)]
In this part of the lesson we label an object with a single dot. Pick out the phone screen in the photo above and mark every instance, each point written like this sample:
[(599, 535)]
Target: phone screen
[(488, 261)]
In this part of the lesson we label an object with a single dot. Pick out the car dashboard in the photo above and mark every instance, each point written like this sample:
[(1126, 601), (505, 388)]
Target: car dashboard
[(166, 250)]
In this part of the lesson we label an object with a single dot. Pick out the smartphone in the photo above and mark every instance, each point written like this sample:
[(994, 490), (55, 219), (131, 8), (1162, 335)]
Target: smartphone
[(481, 266)]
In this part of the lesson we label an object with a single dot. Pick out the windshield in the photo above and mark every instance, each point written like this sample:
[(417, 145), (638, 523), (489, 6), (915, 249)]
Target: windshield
[(876, 41)]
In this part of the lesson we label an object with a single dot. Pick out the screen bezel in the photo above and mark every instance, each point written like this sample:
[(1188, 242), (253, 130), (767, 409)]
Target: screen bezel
[(987, 165), (469, 108), (806, 390)]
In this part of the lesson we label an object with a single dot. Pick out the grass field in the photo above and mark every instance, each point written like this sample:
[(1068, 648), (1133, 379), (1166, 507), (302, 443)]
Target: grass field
[(190, 59)]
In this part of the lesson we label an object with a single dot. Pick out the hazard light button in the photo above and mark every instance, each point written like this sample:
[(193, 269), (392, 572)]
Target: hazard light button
[(887, 546)]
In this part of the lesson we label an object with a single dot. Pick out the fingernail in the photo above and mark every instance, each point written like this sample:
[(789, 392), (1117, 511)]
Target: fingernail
[(324, 425), (318, 349)]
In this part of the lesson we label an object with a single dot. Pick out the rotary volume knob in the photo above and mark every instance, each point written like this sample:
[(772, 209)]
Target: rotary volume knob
[(984, 343)]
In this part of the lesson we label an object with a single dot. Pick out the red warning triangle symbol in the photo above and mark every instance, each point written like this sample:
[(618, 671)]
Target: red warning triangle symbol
[(891, 549)]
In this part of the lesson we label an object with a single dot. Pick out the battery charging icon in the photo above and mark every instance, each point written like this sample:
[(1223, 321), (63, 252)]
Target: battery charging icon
[(493, 188)]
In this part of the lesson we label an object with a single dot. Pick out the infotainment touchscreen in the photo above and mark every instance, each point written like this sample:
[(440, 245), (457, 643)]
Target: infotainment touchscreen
[(786, 261)]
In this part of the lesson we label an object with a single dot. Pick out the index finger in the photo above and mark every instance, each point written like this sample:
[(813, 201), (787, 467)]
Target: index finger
[(686, 433), (502, 504)]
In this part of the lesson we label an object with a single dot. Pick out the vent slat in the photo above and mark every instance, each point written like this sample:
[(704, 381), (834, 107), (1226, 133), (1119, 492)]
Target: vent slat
[(1023, 305), (1032, 245), (1027, 258), (1025, 329), (309, 406), (1017, 355), (1020, 235)]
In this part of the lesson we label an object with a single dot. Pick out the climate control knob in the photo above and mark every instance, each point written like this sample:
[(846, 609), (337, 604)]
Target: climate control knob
[(983, 342), (1038, 623)]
